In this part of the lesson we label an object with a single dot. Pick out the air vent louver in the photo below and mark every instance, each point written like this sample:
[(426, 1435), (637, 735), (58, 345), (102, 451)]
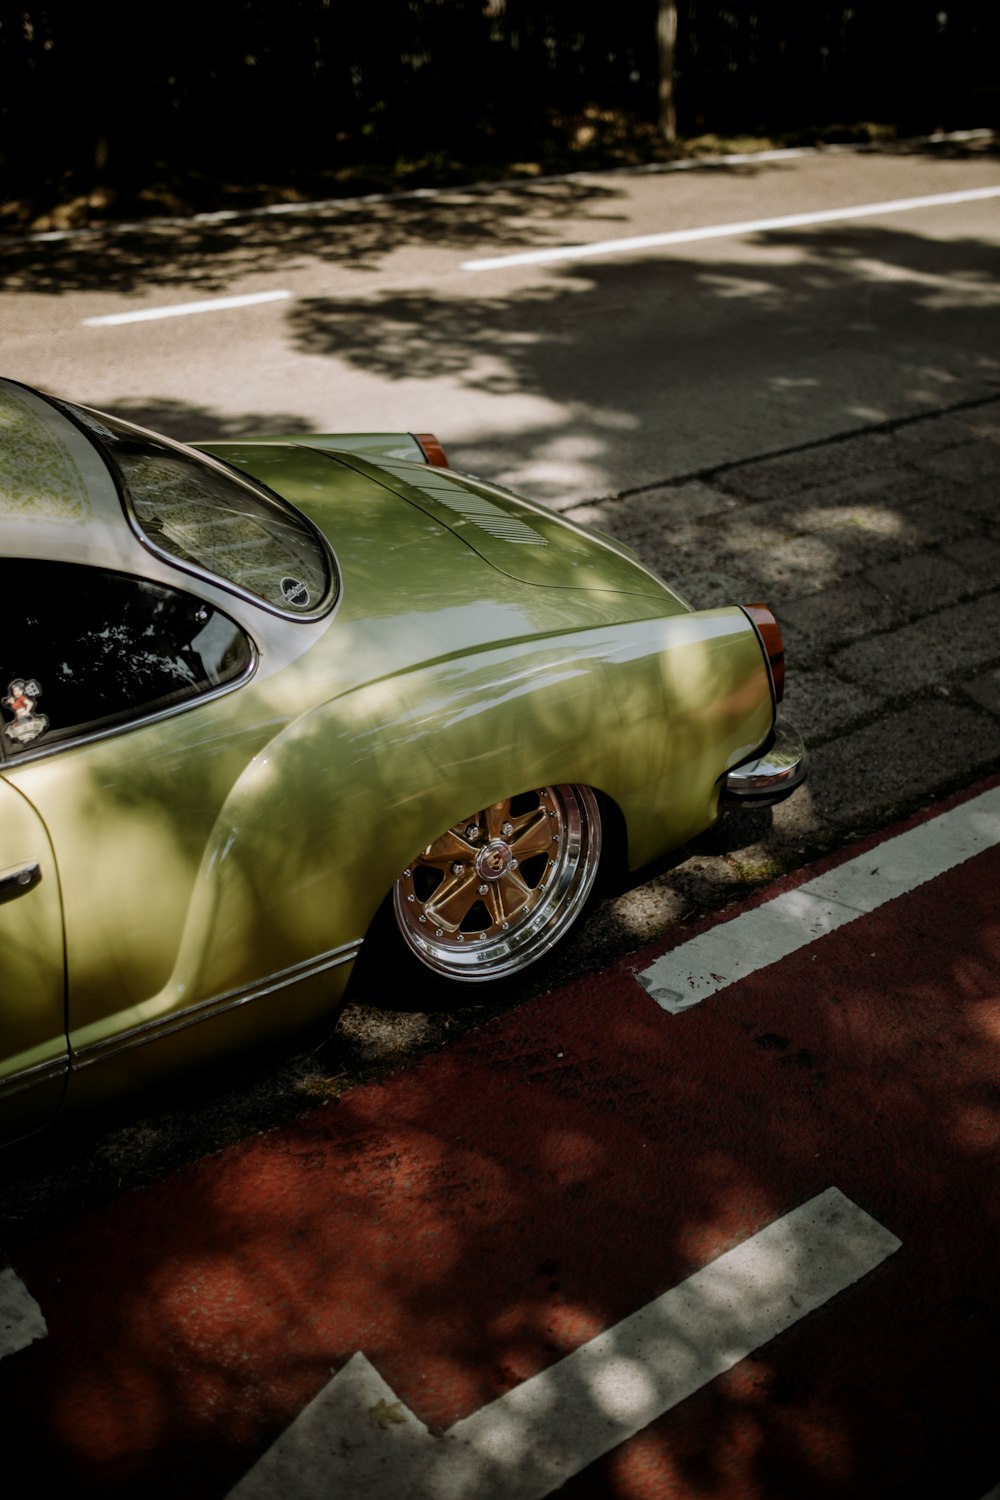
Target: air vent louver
[(479, 511)]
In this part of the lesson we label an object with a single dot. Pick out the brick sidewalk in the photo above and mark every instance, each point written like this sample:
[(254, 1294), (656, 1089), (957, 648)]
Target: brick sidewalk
[(880, 555)]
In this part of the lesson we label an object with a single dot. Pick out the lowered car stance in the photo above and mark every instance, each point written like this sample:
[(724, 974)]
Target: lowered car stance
[(267, 698)]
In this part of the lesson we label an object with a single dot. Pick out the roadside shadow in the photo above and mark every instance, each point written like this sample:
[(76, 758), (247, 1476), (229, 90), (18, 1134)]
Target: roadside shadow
[(206, 255), (192, 423), (910, 317)]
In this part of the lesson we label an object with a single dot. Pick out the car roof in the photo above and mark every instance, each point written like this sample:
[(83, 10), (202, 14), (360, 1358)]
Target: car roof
[(57, 497)]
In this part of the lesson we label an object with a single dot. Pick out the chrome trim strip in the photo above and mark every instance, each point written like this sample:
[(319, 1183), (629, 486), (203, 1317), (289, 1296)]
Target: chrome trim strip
[(27, 1078), (207, 1010)]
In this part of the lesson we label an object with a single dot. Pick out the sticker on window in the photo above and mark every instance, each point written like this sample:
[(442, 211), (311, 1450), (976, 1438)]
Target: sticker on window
[(22, 695), (294, 592)]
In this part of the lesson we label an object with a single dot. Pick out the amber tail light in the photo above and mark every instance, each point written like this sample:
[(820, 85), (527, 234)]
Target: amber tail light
[(432, 450), (767, 628)]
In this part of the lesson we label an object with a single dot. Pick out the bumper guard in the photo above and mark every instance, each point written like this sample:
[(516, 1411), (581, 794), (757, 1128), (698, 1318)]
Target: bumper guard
[(771, 776)]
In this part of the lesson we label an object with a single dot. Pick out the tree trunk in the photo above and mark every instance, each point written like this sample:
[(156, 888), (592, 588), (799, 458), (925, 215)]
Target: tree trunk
[(666, 37)]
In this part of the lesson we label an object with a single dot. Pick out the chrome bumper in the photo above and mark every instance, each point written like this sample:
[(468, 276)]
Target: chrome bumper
[(772, 775)]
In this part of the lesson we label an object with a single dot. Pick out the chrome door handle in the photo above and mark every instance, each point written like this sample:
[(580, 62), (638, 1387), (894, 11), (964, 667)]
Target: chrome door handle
[(19, 882)]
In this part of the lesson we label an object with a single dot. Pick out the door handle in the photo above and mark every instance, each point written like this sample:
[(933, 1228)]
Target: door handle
[(19, 882)]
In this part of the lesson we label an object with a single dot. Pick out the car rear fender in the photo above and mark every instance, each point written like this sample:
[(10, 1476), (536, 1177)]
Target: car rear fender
[(323, 820)]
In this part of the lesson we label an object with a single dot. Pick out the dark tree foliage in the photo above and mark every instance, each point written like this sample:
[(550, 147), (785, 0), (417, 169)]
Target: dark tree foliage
[(782, 65), (255, 87)]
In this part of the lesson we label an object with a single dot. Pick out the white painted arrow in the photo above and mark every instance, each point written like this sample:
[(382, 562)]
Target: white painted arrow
[(21, 1321), (357, 1439)]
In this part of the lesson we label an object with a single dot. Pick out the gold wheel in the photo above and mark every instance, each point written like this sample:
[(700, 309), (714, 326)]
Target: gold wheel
[(499, 889)]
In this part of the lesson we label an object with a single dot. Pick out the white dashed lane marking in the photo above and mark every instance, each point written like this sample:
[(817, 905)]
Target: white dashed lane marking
[(725, 231), (756, 939), (21, 1321), (185, 309), (357, 1438)]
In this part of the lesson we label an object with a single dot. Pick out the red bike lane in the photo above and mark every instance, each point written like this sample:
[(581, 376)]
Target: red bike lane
[(486, 1218)]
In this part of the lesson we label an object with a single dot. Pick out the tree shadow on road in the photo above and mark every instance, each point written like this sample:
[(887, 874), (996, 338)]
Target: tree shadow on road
[(916, 318), (206, 256)]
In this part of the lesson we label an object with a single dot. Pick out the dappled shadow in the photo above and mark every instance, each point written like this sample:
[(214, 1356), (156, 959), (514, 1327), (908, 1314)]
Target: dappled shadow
[(193, 423), (798, 337), (526, 1173), (471, 1222), (542, 339), (357, 236), (206, 257)]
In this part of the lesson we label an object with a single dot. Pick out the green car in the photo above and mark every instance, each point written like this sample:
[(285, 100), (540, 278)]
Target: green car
[(265, 698)]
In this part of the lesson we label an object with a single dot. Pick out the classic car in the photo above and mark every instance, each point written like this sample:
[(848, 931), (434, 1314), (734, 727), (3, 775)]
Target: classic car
[(265, 697)]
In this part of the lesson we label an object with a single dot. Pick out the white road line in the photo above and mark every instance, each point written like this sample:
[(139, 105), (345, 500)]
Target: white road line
[(356, 1438), (758, 938), (724, 231), (183, 309), (21, 1321)]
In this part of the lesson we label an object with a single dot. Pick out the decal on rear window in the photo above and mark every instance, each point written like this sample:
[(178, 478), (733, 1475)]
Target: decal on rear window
[(294, 591), (22, 695)]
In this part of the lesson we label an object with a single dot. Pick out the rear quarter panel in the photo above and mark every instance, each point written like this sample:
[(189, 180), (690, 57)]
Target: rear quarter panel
[(320, 825)]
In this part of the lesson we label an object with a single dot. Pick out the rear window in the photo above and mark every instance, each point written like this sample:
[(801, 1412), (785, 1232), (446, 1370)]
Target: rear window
[(213, 520), (84, 650)]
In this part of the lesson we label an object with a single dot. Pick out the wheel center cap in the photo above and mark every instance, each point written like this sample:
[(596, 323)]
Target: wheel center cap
[(493, 860)]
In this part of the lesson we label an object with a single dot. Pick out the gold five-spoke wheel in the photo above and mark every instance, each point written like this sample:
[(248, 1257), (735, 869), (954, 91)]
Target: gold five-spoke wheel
[(498, 889)]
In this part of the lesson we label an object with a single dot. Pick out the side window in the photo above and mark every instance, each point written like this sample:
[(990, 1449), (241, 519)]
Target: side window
[(83, 649)]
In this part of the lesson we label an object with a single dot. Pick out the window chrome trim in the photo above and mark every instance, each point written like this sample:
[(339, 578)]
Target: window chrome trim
[(39, 750), (207, 1010)]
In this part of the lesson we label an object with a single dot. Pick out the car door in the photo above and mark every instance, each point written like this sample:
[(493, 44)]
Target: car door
[(33, 1047), (98, 665)]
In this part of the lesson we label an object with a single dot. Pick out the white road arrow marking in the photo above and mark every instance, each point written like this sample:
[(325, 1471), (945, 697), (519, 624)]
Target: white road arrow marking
[(357, 1439), (21, 1321), (755, 939)]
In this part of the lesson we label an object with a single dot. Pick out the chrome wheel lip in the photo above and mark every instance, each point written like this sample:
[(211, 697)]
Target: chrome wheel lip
[(532, 932)]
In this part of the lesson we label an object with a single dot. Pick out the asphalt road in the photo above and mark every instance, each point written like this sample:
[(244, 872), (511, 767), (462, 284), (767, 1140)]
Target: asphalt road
[(790, 390), (570, 379)]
